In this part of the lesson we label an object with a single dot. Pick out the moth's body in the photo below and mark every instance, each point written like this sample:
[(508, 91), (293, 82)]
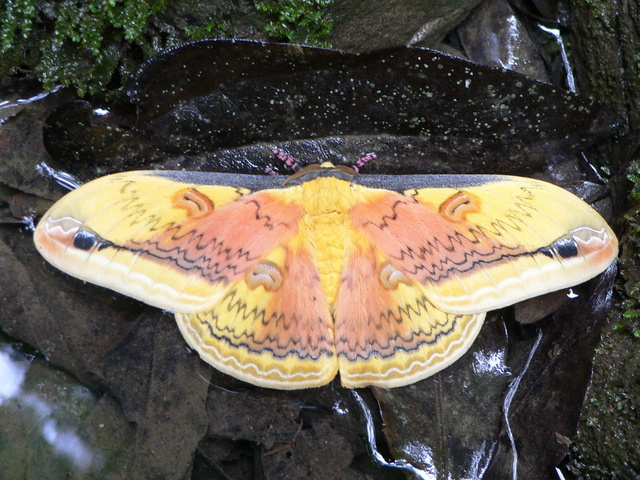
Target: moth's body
[(326, 224), (285, 287)]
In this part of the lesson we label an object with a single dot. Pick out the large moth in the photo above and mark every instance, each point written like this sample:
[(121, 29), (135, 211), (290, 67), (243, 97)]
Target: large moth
[(382, 279)]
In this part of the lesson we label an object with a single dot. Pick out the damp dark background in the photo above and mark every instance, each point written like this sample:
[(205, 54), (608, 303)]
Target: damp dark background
[(95, 385)]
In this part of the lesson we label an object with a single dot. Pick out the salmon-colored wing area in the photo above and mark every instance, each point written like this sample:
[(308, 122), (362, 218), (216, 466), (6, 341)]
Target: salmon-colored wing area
[(387, 331), (272, 328), (485, 246)]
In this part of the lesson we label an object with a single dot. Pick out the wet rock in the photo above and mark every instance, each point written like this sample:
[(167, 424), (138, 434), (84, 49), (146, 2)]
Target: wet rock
[(54, 427), (431, 425), (494, 35), (385, 24), (479, 118)]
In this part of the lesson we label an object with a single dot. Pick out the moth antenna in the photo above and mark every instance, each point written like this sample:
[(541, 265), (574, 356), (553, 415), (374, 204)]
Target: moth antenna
[(363, 161), (290, 162)]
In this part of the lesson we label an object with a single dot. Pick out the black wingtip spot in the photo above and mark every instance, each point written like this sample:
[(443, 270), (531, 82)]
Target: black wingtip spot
[(84, 240), (566, 247), (547, 252)]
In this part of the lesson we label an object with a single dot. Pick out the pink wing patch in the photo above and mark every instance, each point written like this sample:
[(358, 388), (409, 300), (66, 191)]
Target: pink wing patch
[(220, 245), (427, 245), (364, 310), (298, 317)]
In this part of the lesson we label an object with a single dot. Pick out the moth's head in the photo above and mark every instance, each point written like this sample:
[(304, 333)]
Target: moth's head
[(317, 170)]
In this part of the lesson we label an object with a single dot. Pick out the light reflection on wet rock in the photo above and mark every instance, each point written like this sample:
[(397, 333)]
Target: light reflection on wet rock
[(50, 408)]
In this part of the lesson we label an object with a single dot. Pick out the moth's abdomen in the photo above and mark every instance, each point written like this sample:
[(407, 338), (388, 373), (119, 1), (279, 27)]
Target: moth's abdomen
[(328, 235)]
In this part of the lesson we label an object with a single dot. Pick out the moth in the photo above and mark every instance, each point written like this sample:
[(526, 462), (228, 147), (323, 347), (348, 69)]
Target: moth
[(385, 280)]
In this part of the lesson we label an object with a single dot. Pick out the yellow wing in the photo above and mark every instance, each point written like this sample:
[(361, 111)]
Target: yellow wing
[(485, 246), (424, 266), (272, 328), (167, 243)]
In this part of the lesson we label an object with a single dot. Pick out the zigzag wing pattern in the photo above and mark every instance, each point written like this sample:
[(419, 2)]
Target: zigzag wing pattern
[(387, 331), (170, 244), (480, 248)]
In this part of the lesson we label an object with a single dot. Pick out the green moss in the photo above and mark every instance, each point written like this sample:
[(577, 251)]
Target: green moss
[(298, 21), (212, 28), (217, 20), (95, 45), (598, 9), (631, 314), (607, 445), (72, 43)]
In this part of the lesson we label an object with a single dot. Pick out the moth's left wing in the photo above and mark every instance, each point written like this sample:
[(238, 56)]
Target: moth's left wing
[(166, 238), (478, 243)]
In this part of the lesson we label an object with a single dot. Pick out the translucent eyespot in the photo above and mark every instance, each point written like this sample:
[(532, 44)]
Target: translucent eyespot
[(266, 274), (391, 277)]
